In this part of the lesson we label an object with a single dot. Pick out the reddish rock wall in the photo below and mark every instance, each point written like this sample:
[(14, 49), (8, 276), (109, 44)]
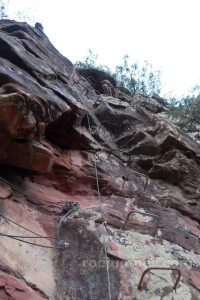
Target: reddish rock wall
[(60, 142)]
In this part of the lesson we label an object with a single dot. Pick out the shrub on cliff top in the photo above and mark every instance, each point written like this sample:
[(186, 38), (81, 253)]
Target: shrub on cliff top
[(132, 78)]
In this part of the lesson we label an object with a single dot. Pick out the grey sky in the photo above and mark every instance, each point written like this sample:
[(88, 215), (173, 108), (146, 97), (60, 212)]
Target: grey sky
[(164, 32)]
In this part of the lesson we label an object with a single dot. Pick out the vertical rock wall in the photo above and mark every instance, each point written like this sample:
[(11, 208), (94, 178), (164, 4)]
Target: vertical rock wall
[(134, 174)]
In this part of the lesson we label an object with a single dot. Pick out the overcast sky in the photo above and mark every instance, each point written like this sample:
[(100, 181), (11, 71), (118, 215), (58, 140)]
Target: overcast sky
[(164, 32)]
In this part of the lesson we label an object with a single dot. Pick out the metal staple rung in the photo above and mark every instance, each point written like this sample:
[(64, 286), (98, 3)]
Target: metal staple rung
[(171, 269), (142, 213), (88, 87), (134, 172), (121, 151)]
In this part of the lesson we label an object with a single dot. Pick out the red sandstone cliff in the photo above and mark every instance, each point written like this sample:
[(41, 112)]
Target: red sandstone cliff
[(62, 144)]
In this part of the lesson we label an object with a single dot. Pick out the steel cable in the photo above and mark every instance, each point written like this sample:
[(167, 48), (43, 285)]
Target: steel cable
[(61, 244), (30, 243), (23, 192), (100, 206), (75, 207)]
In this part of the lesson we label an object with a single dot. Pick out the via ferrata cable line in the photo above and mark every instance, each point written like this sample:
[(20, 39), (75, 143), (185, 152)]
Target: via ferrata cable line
[(59, 244), (29, 196), (100, 205)]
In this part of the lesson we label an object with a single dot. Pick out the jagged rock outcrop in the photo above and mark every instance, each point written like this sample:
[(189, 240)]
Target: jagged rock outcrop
[(62, 143)]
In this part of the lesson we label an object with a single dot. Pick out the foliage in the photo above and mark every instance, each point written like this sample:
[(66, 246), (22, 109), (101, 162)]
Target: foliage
[(138, 78), (134, 78), (185, 112), (21, 15), (90, 62), (131, 78), (3, 14)]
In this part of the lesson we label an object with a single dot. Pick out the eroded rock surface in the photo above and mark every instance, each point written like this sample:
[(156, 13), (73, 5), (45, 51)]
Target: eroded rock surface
[(62, 143)]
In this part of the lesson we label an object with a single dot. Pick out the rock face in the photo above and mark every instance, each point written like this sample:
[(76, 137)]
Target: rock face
[(102, 82), (134, 174)]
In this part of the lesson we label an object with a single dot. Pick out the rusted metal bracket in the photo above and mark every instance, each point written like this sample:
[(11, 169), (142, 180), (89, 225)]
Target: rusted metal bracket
[(145, 214), (149, 269)]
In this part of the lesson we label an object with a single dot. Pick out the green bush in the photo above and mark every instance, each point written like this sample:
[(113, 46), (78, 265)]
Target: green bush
[(185, 112), (131, 78)]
